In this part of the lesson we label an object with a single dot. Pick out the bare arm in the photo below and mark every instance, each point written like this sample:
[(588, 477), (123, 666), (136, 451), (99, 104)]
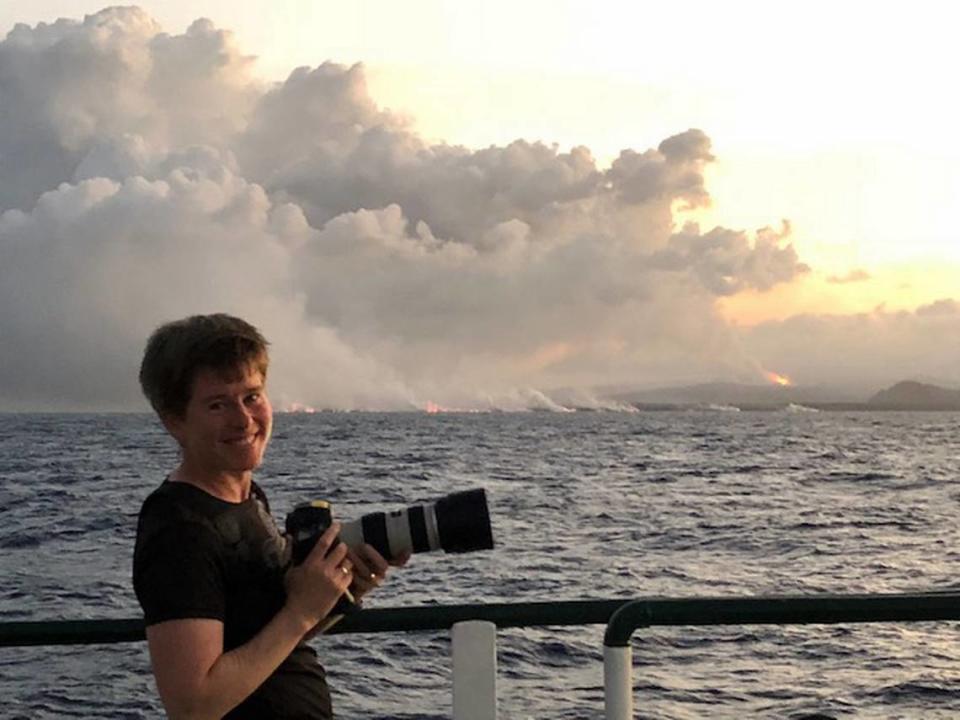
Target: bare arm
[(198, 681)]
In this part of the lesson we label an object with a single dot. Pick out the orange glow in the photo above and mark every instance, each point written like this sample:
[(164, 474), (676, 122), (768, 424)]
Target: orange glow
[(781, 380), (432, 408), (296, 407)]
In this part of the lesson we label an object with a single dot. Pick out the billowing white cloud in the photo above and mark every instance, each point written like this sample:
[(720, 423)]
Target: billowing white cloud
[(726, 262), (109, 94), (145, 176)]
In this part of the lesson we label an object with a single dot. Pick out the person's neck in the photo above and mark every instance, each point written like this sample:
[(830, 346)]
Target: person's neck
[(231, 487)]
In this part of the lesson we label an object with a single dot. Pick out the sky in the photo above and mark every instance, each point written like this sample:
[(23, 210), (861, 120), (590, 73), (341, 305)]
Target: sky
[(513, 205)]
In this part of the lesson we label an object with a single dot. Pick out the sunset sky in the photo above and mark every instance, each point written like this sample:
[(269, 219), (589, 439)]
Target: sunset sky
[(819, 131)]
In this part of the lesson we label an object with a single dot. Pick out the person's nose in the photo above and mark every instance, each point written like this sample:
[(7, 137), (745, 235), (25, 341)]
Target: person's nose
[(240, 416)]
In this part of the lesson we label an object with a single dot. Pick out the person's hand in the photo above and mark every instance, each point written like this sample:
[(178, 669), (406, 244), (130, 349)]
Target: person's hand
[(314, 586), (401, 559), (370, 568)]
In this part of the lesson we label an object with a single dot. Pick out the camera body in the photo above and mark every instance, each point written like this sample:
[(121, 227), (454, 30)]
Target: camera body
[(305, 524)]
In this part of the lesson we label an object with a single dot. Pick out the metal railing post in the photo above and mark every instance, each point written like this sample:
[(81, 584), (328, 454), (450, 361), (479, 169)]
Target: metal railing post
[(618, 659), (474, 670), (617, 683), (762, 610)]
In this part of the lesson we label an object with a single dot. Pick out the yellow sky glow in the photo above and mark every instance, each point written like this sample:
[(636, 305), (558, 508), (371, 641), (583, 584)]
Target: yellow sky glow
[(892, 287)]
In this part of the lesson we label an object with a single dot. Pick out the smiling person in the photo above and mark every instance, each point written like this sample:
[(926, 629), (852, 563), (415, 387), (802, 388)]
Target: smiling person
[(227, 616)]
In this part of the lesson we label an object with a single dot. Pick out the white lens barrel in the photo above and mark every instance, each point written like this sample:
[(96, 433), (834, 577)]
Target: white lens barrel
[(459, 522), (430, 520), (398, 532), (351, 533)]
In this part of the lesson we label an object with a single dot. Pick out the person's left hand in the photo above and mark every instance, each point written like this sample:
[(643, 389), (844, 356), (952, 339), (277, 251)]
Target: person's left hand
[(370, 568)]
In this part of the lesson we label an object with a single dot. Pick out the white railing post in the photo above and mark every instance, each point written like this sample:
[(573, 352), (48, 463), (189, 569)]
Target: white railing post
[(617, 683), (474, 670)]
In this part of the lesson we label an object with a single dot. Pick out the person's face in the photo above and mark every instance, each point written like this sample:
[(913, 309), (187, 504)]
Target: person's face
[(227, 423)]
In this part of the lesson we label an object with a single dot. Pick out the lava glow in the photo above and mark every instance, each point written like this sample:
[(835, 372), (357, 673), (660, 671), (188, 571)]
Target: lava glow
[(781, 380), (296, 407)]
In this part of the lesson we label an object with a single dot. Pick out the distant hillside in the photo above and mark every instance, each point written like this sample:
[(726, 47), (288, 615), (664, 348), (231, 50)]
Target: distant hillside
[(911, 395), (908, 395), (738, 395)]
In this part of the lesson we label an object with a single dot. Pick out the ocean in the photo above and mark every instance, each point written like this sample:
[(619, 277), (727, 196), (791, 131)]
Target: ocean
[(586, 505)]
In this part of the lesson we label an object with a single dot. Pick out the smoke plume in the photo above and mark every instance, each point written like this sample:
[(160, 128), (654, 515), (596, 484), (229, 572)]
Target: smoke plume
[(147, 176)]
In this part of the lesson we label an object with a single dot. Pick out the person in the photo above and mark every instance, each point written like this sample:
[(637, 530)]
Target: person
[(227, 615)]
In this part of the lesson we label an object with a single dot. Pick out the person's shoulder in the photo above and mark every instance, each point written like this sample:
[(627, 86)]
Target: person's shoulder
[(174, 502), (258, 494), (174, 514), (164, 497)]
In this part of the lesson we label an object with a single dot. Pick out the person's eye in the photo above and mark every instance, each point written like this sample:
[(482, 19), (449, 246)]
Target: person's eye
[(254, 397), (215, 406)]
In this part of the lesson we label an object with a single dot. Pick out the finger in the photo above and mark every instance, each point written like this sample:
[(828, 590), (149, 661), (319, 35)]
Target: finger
[(377, 562), (325, 541), (343, 575), (360, 567), (370, 563), (401, 559), (336, 556), (360, 587)]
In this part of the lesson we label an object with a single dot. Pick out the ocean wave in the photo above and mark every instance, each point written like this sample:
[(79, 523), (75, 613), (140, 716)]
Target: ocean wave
[(798, 408), (584, 505)]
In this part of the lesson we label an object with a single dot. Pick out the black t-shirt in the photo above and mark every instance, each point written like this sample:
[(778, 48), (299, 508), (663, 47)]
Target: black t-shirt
[(198, 556)]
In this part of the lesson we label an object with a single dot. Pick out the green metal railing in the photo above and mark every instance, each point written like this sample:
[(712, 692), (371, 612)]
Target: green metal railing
[(622, 617), (426, 617), (778, 610), (634, 613)]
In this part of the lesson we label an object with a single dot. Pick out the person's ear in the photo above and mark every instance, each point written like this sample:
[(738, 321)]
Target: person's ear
[(173, 425)]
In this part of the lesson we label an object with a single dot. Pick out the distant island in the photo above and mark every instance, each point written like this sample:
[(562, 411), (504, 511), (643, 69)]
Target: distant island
[(909, 395), (905, 395)]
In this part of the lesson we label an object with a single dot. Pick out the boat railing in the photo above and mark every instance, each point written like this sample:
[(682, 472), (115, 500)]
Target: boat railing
[(764, 610), (474, 628)]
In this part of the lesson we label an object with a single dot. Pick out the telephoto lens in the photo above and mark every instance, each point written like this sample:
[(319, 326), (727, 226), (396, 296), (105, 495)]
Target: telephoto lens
[(456, 523)]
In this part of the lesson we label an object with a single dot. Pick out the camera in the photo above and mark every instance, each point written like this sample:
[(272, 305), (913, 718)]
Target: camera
[(456, 523)]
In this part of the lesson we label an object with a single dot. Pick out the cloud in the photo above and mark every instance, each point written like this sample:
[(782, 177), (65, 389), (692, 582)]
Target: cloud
[(844, 349), (943, 307), (147, 176), (727, 262), (675, 169), (854, 276), (112, 86), (96, 264)]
